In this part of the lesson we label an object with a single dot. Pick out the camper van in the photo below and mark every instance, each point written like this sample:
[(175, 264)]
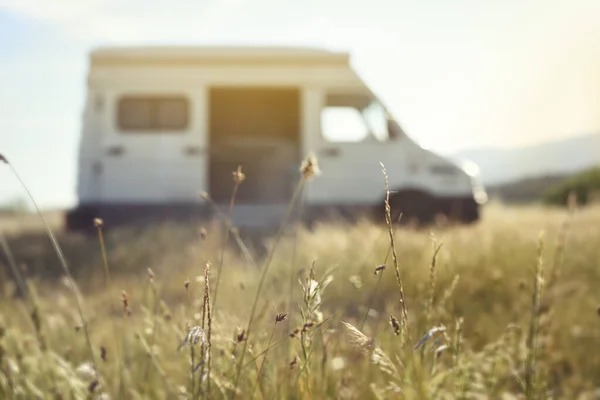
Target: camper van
[(163, 124)]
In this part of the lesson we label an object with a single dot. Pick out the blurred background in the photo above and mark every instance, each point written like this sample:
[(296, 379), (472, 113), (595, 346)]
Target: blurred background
[(512, 85)]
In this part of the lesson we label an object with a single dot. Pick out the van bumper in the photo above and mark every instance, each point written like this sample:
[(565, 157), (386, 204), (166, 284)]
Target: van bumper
[(81, 218)]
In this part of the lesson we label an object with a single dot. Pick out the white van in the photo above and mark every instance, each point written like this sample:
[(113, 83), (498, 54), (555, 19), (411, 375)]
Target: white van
[(161, 125)]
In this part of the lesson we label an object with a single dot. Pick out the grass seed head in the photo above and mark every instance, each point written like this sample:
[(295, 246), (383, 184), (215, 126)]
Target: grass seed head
[(280, 317), (294, 333), (98, 223), (309, 167), (306, 327), (203, 233), (395, 324), (125, 300), (379, 269), (103, 354), (238, 175), (241, 336), (3, 159), (359, 340), (93, 386), (204, 195)]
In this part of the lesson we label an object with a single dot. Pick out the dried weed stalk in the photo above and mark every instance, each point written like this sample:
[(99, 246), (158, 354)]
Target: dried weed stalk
[(63, 262), (206, 316)]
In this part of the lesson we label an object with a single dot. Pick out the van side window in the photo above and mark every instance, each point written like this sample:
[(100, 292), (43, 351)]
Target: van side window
[(152, 114), (353, 118)]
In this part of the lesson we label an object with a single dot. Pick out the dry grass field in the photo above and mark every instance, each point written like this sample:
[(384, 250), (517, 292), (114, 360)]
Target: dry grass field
[(506, 308)]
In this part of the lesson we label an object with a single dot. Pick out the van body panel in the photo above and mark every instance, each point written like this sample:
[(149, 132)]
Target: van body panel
[(161, 125)]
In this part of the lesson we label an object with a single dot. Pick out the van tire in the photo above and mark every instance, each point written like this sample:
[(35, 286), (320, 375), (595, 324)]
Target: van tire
[(416, 207), (80, 220)]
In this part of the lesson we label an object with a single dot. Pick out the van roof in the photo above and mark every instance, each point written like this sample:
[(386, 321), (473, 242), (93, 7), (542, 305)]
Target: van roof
[(182, 55)]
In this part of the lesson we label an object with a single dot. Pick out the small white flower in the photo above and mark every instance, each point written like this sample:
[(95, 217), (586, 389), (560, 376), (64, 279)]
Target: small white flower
[(435, 332), (86, 370), (195, 335), (439, 350)]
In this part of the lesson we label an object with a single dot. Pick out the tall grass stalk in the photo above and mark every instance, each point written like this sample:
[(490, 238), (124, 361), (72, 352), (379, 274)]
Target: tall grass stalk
[(383, 266), (293, 268), (374, 294), (126, 311), (558, 259), (265, 269), (63, 263), (154, 304), (309, 169), (432, 278), (388, 219), (278, 318), (13, 266), (192, 362), (532, 337), (98, 223), (238, 178), (456, 353), (206, 321)]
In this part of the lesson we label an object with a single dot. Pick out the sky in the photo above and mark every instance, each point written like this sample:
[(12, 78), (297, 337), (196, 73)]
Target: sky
[(456, 75)]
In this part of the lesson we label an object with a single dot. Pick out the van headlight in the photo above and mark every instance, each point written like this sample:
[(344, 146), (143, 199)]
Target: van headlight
[(470, 168), (480, 195)]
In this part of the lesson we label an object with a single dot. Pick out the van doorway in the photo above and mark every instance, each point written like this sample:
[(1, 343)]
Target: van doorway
[(259, 129)]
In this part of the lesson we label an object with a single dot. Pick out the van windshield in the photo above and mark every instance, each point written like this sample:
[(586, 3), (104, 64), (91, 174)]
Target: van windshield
[(375, 117), (355, 117)]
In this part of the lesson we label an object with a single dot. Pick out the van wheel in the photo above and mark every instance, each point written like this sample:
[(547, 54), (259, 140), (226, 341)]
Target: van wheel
[(80, 220), (416, 207)]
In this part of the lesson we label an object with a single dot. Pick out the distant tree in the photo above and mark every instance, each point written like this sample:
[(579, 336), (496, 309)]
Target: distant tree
[(585, 185)]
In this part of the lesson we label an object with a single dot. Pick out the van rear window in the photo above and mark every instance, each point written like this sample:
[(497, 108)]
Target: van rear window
[(152, 114)]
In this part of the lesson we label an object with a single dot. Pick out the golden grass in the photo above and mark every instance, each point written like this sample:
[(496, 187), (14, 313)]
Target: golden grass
[(485, 276), (491, 310)]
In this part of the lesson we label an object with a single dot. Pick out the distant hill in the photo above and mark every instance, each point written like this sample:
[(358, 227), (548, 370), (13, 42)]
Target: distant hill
[(547, 161), (526, 190)]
